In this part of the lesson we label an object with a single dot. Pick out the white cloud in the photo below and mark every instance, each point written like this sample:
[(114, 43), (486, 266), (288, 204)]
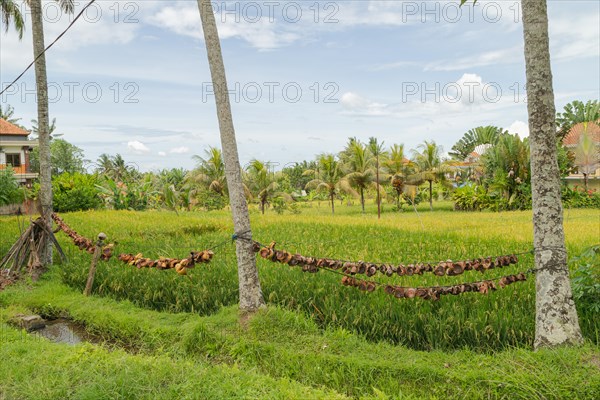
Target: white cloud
[(502, 56), (355, 104), (162, 154), (180, 150), (519, 127), (137, 147)]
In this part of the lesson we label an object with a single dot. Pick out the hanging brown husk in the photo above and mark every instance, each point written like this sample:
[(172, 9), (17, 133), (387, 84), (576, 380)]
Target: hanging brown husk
[(180, 265), (443, 268), (80, 241)]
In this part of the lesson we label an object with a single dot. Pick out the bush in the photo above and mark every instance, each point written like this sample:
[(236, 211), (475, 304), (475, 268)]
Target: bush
[(471, 198), (211, 200), (586, 280), (580, 198), (75, 192), (10, 192)]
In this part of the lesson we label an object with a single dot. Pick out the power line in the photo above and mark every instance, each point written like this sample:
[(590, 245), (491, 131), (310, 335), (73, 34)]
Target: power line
[(48, 47)]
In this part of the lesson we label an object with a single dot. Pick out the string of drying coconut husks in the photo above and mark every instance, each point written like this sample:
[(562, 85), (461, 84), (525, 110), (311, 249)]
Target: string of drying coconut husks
[(180, 265), (349, 269), (81, 241), (448, 267)]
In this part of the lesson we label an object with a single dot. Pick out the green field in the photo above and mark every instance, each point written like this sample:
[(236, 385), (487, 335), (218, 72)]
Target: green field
[(319, 338)]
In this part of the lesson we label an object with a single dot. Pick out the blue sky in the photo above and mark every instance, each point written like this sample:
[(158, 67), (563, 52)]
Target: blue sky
[(132, 77)]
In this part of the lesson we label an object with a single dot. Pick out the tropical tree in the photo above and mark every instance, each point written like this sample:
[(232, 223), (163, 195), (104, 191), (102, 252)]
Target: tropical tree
[(10, 13), (398, 168), (473, 138), (251, 298), (377, 150), (7, 113), (41, 81), (210, 171), (506, 169), (358, 168), (577, 112), (262, 183), (586, 156), (429, 166), (556, 316), (327, 177), (65, 157)]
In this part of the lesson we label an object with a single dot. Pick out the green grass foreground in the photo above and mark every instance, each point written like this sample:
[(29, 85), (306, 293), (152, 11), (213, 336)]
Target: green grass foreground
[(279, 355)]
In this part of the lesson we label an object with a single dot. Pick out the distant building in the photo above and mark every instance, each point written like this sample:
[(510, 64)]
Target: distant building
[(571, 141), (15, 150)]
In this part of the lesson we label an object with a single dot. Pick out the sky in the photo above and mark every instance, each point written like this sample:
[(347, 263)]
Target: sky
[(132, 77)]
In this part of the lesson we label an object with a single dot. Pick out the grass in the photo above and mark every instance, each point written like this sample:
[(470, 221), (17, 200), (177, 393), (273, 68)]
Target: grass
[(503, 319), (318, 339), (281, 354)]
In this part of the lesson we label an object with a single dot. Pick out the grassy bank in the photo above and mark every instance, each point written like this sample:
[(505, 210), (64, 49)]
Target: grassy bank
[(280, 354)]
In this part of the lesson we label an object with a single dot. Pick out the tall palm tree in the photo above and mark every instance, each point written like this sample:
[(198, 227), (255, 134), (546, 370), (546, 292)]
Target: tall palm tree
[(210, 171), (251, 298), (430, 168), (10, 13), (398, 168), (262, 183), (41, 80), (358, 168), (328, 177), (557, 322), (377, 150)]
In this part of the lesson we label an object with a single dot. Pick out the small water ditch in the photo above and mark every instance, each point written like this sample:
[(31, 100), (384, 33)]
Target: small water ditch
[(67, 331), (57, 330)]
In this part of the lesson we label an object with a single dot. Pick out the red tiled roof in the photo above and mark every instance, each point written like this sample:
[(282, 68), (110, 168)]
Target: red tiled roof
[(572, 137), (6, 128)]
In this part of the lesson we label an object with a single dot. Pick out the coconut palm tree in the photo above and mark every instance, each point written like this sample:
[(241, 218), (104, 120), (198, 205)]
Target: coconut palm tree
[(557, 322), (398, 168), (251, 298), (358, 168), (428, 161), (328, 177), (10, 13), (41, 81), (262, 183), (377, 150), (210, 171)]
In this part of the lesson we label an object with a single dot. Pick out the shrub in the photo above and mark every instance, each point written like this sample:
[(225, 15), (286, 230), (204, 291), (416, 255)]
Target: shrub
[(586, 280), (471, 198), (75, 192), (580, 198), (10, 192)]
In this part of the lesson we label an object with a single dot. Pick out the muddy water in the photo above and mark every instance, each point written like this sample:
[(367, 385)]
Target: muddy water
[(65, 331)]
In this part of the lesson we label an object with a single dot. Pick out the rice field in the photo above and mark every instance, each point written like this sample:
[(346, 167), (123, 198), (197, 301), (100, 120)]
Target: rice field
[(499, 320)]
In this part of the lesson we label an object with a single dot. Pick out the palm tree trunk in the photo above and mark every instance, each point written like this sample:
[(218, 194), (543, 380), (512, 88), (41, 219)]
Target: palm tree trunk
[(585, 182), (332, 203), (251, 298), (362, 199), (378, 198), (431, 195), (556, 320), (41, 81)]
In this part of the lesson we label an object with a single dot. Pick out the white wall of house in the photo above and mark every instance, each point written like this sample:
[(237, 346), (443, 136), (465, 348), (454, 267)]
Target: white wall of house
[(12, 150)]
